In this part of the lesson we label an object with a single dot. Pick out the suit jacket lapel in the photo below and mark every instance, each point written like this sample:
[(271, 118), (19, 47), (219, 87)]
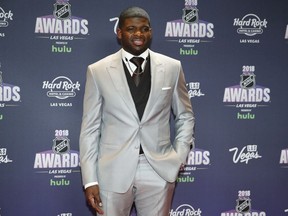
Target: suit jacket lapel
[(157, 79), (116, 71)]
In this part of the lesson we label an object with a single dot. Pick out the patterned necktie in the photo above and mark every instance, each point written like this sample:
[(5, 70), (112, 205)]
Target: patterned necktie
[(138, 72)]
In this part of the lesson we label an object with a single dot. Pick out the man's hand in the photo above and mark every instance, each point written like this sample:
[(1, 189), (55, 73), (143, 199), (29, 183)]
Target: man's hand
[(182, 167), (93, 198)]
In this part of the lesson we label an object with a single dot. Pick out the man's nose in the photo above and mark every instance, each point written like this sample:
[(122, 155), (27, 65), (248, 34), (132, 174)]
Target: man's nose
[(138, 32)]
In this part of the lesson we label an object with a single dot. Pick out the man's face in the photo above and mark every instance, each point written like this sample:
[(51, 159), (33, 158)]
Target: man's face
[(135, 35)]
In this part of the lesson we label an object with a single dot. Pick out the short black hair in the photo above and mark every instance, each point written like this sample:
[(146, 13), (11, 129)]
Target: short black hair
[(132, 12)]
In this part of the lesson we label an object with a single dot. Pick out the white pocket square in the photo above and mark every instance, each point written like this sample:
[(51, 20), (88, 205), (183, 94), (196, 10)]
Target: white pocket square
[(166, 88)]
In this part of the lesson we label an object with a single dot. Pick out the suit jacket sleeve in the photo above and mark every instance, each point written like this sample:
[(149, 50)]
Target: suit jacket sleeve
[(90, 130), (184, 118)]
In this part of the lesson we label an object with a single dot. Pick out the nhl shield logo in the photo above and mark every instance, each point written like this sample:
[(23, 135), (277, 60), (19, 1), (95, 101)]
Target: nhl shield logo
[(61, 145), (62, 10), (190, 15), (243, 205), (248, 81)]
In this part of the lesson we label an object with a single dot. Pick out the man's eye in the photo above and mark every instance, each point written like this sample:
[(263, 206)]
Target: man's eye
[(145, 29), (130, 29), (133, 29)]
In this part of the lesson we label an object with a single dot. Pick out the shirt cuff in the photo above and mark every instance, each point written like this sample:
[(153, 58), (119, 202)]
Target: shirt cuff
[(90, 184)]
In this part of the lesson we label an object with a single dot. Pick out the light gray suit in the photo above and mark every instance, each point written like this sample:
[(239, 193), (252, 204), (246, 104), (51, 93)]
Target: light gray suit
[(111, 131)]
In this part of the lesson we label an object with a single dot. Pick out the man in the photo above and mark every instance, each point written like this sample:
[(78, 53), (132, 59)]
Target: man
[(125, 149)]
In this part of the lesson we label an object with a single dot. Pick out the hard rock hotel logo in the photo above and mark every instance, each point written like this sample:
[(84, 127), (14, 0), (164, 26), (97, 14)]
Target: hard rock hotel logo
[(61, 88), (5, 17), (185, 209), (190, 30), (61, 27), (60, 162), (246, 96), (243, 206), (250, 25)]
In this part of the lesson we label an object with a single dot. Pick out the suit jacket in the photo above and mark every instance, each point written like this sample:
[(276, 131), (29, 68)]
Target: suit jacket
[(111, 131)]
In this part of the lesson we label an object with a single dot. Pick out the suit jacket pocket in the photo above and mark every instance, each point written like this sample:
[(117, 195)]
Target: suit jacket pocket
[(109, 145)]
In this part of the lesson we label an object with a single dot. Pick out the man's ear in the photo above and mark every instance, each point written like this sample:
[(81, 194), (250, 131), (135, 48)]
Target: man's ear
[(119, 33)]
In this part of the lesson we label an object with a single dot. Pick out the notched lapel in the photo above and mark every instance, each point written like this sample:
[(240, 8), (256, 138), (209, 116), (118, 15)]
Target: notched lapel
[(157, 80), (118, 78)]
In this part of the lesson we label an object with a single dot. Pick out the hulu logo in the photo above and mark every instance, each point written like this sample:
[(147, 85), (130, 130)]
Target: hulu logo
[(190, 51), (185, 179), (246, 116), (61, 49), (61, 182)]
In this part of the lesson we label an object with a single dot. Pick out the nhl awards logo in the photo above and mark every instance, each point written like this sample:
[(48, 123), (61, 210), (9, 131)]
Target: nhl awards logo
[(61, 27), (61, 145), (246, 96), (9, 94), (243, 206), (198, 159), (60, 162), (62, 10), (190, 13), (284, 158), (247, 80), (189, 31)]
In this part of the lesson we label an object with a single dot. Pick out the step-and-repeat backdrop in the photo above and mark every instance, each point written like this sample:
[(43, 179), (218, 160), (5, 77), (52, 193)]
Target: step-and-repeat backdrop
[(234, 55)]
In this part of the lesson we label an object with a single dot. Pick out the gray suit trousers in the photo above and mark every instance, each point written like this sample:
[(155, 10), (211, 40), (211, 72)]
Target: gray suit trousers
[(151, 193)]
